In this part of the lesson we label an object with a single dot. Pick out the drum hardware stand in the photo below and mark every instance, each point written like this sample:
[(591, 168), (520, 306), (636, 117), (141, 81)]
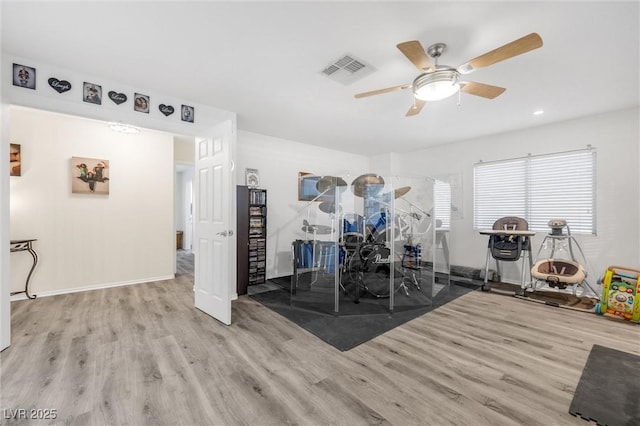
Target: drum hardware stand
[(414, 252), (306, 224), (413, 206), (404, 287)]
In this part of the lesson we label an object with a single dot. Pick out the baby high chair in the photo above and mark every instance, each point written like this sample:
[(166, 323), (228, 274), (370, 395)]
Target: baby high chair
[(508, 241)]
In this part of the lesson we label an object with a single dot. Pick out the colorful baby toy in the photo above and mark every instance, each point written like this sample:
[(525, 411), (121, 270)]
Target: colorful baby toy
[(620, 293)]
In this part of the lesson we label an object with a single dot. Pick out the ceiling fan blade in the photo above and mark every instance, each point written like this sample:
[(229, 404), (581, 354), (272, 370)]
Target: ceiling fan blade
[(381, 91), (415, 108), (509, 50), (480, 89), (414, 51)]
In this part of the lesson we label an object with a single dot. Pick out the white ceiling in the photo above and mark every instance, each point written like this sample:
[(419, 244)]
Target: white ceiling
[(264, 59)]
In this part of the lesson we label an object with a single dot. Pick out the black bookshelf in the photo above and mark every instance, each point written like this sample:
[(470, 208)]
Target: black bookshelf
[(251, 237)]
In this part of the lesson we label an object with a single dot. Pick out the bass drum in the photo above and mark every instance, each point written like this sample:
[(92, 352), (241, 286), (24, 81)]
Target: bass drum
[(379, 231), (372, 266)]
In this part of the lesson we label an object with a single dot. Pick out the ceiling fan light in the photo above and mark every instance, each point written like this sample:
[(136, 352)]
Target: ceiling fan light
[(436, 85), (437, 90)]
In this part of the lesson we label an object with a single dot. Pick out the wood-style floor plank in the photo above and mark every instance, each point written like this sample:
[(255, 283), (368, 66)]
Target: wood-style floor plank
[(143, 355)]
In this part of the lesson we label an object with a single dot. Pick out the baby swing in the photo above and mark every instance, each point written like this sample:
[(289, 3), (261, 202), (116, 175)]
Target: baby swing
[(555, 271)]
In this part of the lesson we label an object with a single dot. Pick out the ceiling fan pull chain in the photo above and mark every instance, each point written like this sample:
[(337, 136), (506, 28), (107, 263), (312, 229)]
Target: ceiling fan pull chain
[(459, 98)]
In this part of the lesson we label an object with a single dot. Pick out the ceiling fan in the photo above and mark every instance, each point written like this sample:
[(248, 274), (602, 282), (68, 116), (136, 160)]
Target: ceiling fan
[(437, 82)]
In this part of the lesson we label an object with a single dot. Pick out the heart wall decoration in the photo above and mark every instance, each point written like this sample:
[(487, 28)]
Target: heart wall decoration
[(117, 98), (59, 86), (167, 110)]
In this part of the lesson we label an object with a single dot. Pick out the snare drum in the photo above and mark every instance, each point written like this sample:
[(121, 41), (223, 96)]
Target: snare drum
[(352, 229)]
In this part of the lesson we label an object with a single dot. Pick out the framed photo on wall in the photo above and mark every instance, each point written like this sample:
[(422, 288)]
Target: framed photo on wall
[(15, 160), (187, 113), (141, 103), (24, 76), (308, 187), (252, 178), (92, 93), (89, 176)]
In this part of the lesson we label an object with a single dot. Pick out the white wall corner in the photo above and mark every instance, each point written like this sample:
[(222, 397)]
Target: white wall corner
[(5, 285), (5, 307)]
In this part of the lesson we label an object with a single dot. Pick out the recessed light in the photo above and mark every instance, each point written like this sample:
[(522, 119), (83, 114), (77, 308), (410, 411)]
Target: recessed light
[(538, 112)]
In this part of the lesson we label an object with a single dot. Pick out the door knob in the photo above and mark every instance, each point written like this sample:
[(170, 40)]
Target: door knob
[(223, 233)]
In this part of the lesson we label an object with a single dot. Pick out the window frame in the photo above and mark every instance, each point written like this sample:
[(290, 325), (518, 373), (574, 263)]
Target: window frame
[(527, 182)]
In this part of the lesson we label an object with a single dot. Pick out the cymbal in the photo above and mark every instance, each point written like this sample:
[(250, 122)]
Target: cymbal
[(330, 183), (401, 191), (318, 229), (329, 207), (367, 185), (397, 193)]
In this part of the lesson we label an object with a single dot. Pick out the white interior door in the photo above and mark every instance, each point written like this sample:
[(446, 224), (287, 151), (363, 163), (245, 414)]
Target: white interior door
[(214, 217)]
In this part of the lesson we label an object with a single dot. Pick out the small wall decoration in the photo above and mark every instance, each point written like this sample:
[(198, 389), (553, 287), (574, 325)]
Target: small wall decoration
[(14, 159), (92, 93), (89, 176), (117, 98), (24, 76), (308, 187), (59, 86), (141, 103), (187, 113), (167, 110), (252, 178)]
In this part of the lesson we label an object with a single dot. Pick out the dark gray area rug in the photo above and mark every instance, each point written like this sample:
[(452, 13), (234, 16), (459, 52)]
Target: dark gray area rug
[(609, 388), (349, 330)]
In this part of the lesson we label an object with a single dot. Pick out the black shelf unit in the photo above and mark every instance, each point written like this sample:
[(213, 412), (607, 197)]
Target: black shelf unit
[(251, 237)]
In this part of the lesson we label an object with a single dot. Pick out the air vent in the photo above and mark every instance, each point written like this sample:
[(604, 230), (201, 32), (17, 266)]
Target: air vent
[(331, 69), (347, 69)]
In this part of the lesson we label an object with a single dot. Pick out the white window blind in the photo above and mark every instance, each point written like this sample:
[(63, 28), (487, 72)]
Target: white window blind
[(442, 199), (538, 188)]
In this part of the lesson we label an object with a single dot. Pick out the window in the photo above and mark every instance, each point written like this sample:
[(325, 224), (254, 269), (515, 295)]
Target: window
[(538, 188), (442, 200)]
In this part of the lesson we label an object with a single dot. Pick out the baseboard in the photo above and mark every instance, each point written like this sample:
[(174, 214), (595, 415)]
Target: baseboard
[(23, 296)]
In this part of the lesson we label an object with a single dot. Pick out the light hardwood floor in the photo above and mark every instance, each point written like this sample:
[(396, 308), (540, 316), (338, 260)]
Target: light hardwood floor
[(142, 355)]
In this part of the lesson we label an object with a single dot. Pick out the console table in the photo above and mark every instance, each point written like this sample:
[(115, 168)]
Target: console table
[(25, 245)]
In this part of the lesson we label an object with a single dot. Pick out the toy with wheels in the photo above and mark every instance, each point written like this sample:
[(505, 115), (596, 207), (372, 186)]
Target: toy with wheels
[(620, 293)]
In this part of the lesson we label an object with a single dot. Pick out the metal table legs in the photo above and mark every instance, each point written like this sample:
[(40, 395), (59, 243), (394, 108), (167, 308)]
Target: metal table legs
[(25, 245)]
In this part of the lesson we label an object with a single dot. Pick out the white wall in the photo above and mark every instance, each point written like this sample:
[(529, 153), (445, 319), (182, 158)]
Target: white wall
[(90, 240), (615, 136), (184, 150), (278, 162)]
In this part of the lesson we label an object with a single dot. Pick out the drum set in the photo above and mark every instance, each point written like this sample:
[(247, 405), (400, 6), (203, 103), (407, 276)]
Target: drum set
[(364, 240)]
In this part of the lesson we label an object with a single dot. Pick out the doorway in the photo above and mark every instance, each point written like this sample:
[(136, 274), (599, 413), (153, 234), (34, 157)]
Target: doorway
[(184, 218), (208, 116), (110, 232)]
